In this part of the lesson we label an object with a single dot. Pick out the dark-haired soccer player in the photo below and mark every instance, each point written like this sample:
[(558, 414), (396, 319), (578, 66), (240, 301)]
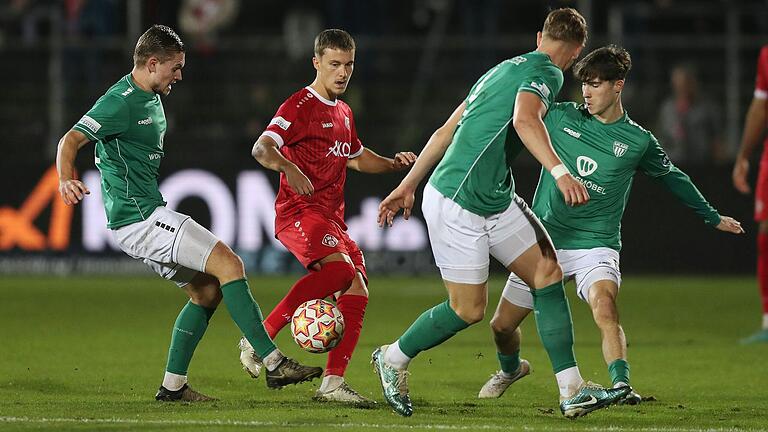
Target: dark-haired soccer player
[(472, 211), (754, 129), (604, 148), (128, 125), (312, 141)]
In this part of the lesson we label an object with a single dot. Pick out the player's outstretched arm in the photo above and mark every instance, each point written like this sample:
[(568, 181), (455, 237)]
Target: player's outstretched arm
[(529, 125), (72, 190), (403, 196), (266, 153), (754, 125), (370, 162)]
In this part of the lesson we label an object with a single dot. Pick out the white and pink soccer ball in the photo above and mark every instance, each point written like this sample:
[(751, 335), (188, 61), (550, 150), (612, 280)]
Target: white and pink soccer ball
[(317, 326)]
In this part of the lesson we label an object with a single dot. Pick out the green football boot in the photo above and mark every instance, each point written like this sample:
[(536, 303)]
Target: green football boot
[(394, 383), (756, 338), (591, 397)]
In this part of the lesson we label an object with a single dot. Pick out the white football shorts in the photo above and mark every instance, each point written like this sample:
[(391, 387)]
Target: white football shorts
[(463, 241), (172, 244), (585, 266)]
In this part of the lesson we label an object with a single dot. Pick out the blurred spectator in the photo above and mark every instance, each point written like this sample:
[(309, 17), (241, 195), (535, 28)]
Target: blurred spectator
[(201, 20), (300, 25), (690, 125)]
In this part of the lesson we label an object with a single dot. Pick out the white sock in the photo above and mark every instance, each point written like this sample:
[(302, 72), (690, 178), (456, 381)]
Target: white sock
[(569, 381), (620, 384), (765, 321), (273, 359), (174, 382), (330, 382), (396, 357)]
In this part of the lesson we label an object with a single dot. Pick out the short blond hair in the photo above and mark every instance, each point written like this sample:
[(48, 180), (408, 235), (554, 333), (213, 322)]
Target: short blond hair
[(567, 25)]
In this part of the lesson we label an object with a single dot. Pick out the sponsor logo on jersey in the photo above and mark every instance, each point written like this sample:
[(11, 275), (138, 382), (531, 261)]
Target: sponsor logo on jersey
[(346, 122), (155, 156), (517, 60), (127, 91), (90, 123), (146, 121), (281, 123), (542, 88), (665, 162), (330, 241), (619, 148), (326, 125), (340, 149), (590, 185), (586, 165), (572, 132)]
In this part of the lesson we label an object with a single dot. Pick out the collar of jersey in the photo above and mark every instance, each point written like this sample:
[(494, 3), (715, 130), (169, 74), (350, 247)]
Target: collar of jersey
[(320, 98), (134, 86), (621, 119)]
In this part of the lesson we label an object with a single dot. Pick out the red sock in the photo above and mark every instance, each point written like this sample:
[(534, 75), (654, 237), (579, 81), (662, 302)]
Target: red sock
[(333, 276), (762, 268), (352, 307)]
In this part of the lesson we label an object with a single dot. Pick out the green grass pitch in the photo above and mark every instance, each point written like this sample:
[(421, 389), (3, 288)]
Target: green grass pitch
[(88, 354)]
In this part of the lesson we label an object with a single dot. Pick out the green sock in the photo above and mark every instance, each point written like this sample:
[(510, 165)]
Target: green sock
[(553, 320), (187, 331), (619, 370), (432, 328), (509, 363), (247, 315)]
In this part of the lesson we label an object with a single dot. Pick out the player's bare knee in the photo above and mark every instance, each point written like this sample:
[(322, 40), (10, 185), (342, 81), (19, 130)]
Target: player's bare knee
[(502, 327), (604, 311), (548, 271), (358, 286), (470, 314)]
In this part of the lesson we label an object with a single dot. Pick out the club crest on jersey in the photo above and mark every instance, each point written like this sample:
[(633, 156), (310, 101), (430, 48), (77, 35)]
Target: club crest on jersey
[(517, 60), (585, 165), (619, 148), (330, 241), (346, 122)]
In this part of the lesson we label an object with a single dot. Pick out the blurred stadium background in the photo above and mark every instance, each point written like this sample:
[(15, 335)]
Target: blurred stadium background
[(416, 60)]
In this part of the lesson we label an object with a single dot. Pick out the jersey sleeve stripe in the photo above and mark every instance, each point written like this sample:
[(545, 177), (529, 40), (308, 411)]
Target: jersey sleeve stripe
[(537, 93), (278, 139), (357, 153), (85, 130), (761, 94)]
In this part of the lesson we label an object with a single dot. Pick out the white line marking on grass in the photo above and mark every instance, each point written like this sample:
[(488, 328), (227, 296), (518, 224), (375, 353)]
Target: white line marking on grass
[(257, 423)]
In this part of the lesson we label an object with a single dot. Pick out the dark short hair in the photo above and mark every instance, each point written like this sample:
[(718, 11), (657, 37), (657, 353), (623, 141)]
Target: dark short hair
[(333, 39), (608, 63), (567, 25), (159, 41)]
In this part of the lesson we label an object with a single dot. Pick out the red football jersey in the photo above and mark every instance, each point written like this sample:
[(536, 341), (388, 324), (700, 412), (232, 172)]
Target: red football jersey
[(318, 135), (761, 81)]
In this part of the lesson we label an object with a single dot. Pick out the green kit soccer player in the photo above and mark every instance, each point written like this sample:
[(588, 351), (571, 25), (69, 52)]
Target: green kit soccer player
[(600, 144), (128, 126), (472, 211)]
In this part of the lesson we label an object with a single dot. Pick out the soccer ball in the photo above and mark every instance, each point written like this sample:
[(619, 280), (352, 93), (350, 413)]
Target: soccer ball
[(317, 326)]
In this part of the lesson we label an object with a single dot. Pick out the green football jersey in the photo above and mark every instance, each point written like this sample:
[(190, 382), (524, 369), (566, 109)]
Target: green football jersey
[(128, 125), (474, 171), (603, 157)]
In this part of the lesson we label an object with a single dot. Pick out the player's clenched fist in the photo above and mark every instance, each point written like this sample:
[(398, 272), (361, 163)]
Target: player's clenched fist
[(404, 159), (72, 191), (574, 193), (298, 181)]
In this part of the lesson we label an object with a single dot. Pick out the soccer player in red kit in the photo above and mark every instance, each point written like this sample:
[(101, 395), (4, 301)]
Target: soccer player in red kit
[(754, 128), (311, 141)]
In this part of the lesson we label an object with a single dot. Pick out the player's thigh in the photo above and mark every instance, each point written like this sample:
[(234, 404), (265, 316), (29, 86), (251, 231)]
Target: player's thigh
[(590, 266), (170, 243), (313, 237), (458, 239), (519, 242), (761, 189), (360, 283)]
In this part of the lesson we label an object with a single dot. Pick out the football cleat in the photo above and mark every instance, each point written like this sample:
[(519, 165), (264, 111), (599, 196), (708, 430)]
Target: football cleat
[(248, 358), (289, 371), (591, 397), (632, 398), (758, 337), (394, 383), (500, 381), (184, 394), (344, 394)]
